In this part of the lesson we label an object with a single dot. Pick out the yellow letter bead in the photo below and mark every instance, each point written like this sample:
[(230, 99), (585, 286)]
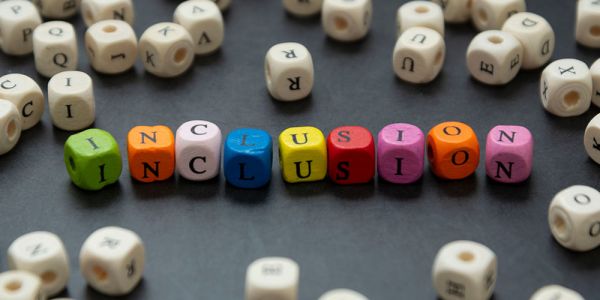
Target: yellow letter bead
[(302, 154)]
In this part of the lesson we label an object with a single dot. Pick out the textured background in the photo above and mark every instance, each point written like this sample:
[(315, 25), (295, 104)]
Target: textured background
[(377, 238)]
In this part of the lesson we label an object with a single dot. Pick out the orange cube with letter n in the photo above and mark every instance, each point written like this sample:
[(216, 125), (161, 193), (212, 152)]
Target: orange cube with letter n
[(151, 152)]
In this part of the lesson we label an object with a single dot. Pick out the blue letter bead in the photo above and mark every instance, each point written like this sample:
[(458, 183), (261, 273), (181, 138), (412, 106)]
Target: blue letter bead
[(247, 158)]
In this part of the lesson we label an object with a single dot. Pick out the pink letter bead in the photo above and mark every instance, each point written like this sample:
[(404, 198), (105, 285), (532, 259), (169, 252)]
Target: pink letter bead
[(509, 154), (198, 150), (400, 153)]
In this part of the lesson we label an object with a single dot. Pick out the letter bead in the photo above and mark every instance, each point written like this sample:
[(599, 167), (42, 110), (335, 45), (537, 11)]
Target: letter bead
[(272, 278), (71, 100), (26, 95), (111, 46), (248, 158), (302, 154), (289, 72), (595, 70), (222, 4), (198, 150), (342, 294), (419, 55), (455, 11), (43, 254), (401, 153), (566, 88), (94, 11), (491, 14), (574, 218), (591, 139), (10, 126), (509, 154), (420, 14), (453, 150), (303, 8), (465, 270), (347, 20), (166, 49), (556, 292), (93, 159), (151, 153), (20, 285), (112, 260), (204, 22), (351, 155), (587, 30), (536, 36), (494, 57), (55, 48), (18, 19), (57, 9)]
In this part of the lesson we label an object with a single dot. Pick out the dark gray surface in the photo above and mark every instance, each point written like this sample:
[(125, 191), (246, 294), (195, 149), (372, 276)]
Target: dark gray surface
[(377, 238)]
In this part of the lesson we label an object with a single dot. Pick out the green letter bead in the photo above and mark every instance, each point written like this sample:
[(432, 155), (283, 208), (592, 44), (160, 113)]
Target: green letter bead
[(93, 159)]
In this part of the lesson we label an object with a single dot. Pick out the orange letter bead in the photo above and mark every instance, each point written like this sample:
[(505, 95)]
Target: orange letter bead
[(453, 150), (151, 152)]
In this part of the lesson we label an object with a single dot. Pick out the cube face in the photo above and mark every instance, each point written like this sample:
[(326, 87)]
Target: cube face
[(556, 292), (289, 71), (342, 294), (303, 8), (302, 154), (10, 125), (26, 95), (351, 155), (71, 100), (453, 150), (420, 14), (272, 278), (347, 20), (57, 9), (490, 14), (591, 139), (198, 150), (536, 36), (151, 153), (566, 88), (455, 11), (94, 11), (595, 70), (112, 260), (494, 57), (401, 153), (55, 48), (509, 154), (93, 159), (574, 218), (204, 21), (18, 19), (166, 49), (587, 30), (42, 254), (19, 285), (111, 46), (419, 55), (248, 158)]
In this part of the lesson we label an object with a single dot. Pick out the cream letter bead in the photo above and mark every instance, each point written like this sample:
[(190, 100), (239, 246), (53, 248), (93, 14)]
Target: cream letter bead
[(303, 8), (494, 57), (595, 70), (422, 14), (111, 46), (535, 34), (289, 72), (94, 11), (166, 49), (20, 285), (272, 278), (204, 22), (587, 30), (57, 9), (419, 55), (556, 292), (455, 11), (10, 126), (347, 20), (566, 88), (55, 48), (26, 95), (491, 14), (591, 139), (71, 100), (342, 294), (18, 19)]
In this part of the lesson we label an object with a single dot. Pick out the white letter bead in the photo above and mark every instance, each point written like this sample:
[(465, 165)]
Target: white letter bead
[(342, 294), (20, 285), (272, 278), (55, 48), (556, 292), (57, 9), (94, 11), (289, 71), (112, 260), (111, 46), (43, 254), (198, 147), (347, 20), (455, 11), (10, 126), (494, 57), (535, 34), (204, 22), (591, 139), (419, 55), (465, 270), (574, 218), (71, 100), (26, 95), (491, 14), (587, 30), (303, 8), (422, 14), (18, 19), (566, 88), (166, 49), (595, 70)]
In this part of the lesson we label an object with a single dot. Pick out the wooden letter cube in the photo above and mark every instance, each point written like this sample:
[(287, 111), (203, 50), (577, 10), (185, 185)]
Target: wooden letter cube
[(587, 31), (453, 150), (289, 72), (20, 285), (455, 11), (420, 14), (303, 8), (509, 154), (18, 19), (351, 155), (347, 20), (222, 4), (198, 150), (204, 22), (151, 153), (94, 11), (419, 55), (536, 36), (272, 278), (302, 154), (566, 88), (57, 9), (491, 14), (401, 153), (55, 48), (557, 292), (248, 158), (494, 57), (166, 49), (111, 46), (71, 100), (595, 70), (26, 95), (574, 218), (591, 139), (112, 260), (93, 159), (10, 126), (43, 254), (342, 294)]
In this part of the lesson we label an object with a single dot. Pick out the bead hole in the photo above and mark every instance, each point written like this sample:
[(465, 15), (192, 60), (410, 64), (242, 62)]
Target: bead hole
[(48, 277), (13, 286), (11, 130), (560, 226), (466, 256), (340, 23), (483, 16), (72, 163), (422, 9), (495, 39), (180, 55), (109, 29), (595, 31), (100, 273), (571, 99)]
